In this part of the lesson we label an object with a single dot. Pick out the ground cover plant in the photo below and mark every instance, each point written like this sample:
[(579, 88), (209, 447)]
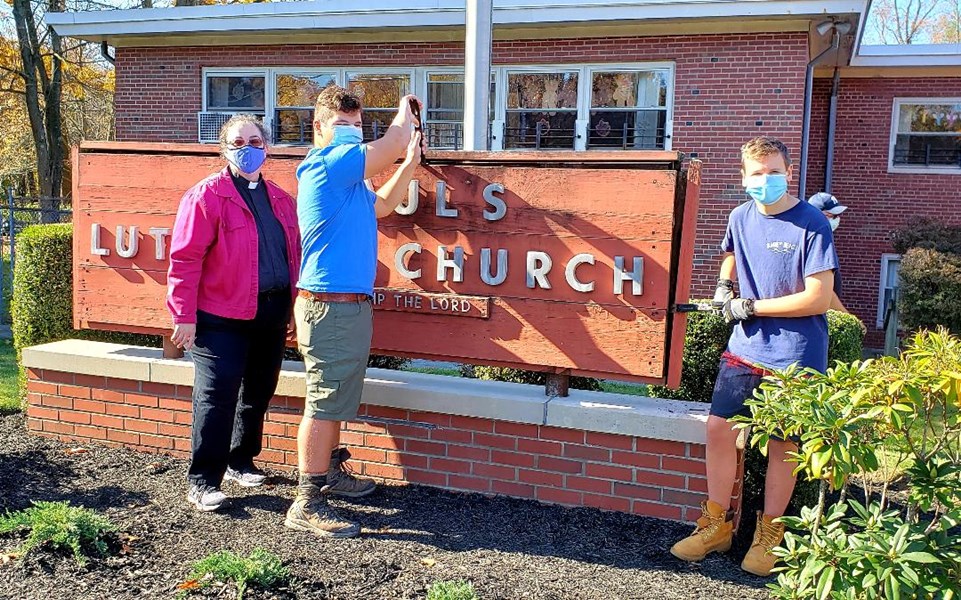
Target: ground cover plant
[(452, 590), (59, 526), (876, 544), (261, 568)]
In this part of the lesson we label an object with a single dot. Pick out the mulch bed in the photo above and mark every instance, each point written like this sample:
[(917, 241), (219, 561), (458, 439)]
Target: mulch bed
[(413, 536)]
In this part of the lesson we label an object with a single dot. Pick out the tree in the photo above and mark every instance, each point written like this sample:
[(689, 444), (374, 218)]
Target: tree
[(947, 27), (42, 74), (905, 21)]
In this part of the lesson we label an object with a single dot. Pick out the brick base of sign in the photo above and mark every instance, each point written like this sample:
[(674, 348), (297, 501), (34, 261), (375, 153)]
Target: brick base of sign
[(573, 467)]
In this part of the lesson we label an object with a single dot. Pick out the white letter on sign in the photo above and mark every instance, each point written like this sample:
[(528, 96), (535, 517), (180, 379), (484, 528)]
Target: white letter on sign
[(485, 273), (413, 199), (444, 263), (636, 277), (133, 242), (442, 209), (538, 266), (571, 273), (500, 207), (400, 259), (159, 233), (95, 248)]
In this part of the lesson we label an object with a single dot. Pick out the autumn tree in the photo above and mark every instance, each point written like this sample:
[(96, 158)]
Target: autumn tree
[(947, 27), (905, 21)]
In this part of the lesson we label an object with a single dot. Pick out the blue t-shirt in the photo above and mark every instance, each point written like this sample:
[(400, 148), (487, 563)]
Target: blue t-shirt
[(338, 226), (774, 254)]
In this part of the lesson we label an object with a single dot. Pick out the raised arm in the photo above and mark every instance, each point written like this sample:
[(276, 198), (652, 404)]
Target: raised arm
[(383, 153)]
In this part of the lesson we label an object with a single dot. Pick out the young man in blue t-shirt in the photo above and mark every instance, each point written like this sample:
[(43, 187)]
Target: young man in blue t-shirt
[(781, 252), (337, 211)]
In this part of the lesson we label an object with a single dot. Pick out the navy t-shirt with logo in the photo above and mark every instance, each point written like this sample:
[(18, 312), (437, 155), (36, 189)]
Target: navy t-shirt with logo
[(774, 254)]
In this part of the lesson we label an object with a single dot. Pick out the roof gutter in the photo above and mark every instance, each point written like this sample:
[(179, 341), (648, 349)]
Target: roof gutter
[(808, 95)]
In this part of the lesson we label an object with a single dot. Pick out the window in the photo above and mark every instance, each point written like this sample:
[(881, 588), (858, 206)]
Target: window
[(628, 110), (926, 135), (295, 95), (444, 121), (236, 93), (381, 94), (541, 110), (890, 264)]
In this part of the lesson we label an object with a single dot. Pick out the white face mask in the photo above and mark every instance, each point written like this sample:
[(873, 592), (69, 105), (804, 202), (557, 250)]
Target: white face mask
[(834, 223)]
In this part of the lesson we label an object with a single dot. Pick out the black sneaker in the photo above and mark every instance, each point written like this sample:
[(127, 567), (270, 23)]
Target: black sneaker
[(205, 497), (246, 477), (317, 517)]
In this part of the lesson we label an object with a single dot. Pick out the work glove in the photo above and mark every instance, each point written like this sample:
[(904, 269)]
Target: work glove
[(723, 293), (738, 309)]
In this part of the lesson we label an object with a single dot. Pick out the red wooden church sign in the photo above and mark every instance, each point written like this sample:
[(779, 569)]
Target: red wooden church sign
[(563, 262)]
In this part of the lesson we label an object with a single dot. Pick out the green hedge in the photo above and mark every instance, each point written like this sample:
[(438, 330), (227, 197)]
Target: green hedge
[(529, 377), (42, 303), (930, 290)]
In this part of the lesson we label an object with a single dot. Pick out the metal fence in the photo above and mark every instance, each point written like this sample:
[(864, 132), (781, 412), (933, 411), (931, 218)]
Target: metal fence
[(19, 213)]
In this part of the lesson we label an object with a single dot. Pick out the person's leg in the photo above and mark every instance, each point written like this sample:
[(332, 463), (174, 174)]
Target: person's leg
[(219, 355), (780, 481), (778, 488), (315, 439), (714, 532), (721, 460), (267, 336)]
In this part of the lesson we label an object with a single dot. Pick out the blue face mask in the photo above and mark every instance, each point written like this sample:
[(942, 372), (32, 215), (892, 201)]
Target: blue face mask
[(767, 189), (346, 134), (247, 158)]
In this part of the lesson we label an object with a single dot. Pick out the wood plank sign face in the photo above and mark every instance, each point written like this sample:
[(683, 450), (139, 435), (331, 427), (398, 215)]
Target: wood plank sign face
[(562, 262)]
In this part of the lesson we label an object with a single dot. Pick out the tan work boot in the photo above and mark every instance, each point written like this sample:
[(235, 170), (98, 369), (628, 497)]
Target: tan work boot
[(713, 534), (340, 479), (310, 512), (759, 560)]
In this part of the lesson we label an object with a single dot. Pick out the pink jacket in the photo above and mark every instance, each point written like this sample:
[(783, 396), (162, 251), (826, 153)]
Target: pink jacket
[(213, 250)]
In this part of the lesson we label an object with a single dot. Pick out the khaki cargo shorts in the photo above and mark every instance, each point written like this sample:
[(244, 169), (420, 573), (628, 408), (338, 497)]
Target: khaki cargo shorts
[(334, 338)]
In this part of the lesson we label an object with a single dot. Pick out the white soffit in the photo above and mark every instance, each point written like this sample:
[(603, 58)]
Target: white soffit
[(911, 55), (336, 15)]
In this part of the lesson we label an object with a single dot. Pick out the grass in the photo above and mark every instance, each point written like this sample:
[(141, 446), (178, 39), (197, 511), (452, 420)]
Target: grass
[(60, 525), (262, 568), (446, 371), (9, 386), (620, 387), (452, 590)]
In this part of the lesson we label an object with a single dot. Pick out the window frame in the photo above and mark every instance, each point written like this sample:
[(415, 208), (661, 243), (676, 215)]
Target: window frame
[(887, 259), (893, 136), (418, 77)]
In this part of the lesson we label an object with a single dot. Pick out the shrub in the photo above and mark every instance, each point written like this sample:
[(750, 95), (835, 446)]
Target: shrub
[(452, 590), (930, 290), (61, 526), (262, 568), (927, 233), (529, 377), (42, 305), (843, 418), (394, 363)]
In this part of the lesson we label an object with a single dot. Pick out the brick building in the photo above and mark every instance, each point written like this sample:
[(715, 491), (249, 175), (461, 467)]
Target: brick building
[(688, 75)]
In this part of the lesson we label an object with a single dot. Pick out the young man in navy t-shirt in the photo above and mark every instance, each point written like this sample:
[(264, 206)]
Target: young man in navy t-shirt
[(781, 252)]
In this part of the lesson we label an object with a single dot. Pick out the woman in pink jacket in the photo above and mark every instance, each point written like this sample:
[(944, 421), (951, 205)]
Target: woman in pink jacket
[(234, 259)]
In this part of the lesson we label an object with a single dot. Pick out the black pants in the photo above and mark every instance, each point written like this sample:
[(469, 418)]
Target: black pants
[(236, 367)]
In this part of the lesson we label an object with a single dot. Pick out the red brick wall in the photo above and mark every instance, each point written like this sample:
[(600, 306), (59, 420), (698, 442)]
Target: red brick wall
[(727, 89), (879, 202), (563, 466)]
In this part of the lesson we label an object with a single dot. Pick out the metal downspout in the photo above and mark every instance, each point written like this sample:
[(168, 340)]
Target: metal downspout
[(806, 123), (832, 124), (105, 54)]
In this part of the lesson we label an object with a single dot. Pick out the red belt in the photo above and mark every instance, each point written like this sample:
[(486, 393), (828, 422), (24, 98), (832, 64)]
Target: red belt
[(332, 297)]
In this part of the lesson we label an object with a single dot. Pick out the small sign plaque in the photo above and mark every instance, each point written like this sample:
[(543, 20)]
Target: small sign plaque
[(454, 305)]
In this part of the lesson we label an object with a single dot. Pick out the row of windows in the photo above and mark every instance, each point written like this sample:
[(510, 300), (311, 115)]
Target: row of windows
[(561, 107), (569, 107)]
